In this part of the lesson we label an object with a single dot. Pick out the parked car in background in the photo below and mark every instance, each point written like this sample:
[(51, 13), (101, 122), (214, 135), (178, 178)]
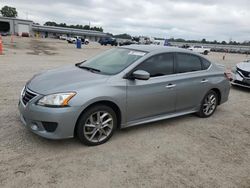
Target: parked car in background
[(71, 39), (86, 41), (126, 42), (200, 49), (4, 34), (241, 74), (119, 88), (108, 40), (186, 46), (144, 40), (24, 34), (74, 39), (63, 37), (158, 42)]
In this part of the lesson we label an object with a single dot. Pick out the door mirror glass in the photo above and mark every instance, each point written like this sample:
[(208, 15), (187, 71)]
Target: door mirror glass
[(141, 75)]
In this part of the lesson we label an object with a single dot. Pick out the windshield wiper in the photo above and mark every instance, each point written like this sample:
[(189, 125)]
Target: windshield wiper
[(78, 64), (89, 69)]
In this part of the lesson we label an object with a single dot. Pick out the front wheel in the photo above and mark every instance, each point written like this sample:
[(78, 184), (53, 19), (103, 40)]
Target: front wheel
[(96, 125), (209, 104)]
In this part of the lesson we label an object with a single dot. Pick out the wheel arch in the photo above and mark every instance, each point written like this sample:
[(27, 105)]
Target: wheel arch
[(218, 92), (108, 103)]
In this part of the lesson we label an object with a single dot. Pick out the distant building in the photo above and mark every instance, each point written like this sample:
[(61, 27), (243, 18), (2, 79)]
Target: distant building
[(19, 26), (15, 26)]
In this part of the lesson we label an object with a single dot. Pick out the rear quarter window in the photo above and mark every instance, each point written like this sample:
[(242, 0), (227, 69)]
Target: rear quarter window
[(205, 64)]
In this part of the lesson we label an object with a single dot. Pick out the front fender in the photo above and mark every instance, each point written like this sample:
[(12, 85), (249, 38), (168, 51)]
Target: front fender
[(111, 93)]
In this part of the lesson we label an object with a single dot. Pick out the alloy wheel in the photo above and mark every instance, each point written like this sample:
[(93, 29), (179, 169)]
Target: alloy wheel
[(209, 105), (98, 126)]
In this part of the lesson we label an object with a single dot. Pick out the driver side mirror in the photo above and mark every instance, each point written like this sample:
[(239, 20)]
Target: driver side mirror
[(141, 75)]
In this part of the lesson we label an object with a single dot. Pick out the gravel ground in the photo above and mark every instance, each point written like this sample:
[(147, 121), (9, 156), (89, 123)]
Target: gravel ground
[(181, 152)]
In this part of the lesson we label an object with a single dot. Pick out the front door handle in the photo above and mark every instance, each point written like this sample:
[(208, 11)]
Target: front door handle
[(170, 86), (204, 81)]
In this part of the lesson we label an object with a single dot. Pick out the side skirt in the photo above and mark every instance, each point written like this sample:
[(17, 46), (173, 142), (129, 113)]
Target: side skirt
[(156, 118)]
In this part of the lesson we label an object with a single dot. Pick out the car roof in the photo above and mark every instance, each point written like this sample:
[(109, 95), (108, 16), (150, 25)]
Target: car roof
[(153, 48)]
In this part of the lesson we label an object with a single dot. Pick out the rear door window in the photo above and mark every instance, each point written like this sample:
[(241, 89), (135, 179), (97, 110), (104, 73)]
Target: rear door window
[(188, 63)]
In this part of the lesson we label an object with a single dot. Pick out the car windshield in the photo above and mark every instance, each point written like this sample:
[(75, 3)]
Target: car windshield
[(112, 61)]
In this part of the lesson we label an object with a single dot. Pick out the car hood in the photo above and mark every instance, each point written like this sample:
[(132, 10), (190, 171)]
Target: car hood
[(244, 66), (68, 78)]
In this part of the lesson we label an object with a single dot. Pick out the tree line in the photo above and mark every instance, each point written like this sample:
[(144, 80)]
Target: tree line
[(204, 41), (87, 27)]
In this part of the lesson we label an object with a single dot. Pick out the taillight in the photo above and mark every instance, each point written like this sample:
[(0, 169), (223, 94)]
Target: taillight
[(228, 75)]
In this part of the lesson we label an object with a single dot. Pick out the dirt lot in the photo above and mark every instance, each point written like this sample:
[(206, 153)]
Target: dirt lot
[(181, 152)]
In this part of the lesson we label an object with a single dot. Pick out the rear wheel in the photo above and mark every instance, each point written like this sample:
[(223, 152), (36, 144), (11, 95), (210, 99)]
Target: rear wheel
[(96, 125), (209, 104), (206, 52)]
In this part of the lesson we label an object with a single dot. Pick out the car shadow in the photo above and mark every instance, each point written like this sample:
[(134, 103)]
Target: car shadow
[(239, 88)]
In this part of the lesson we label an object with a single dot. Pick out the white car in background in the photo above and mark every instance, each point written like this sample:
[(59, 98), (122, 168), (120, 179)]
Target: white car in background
[(63, 37), (200, 49), (74, 39), (241, 74)]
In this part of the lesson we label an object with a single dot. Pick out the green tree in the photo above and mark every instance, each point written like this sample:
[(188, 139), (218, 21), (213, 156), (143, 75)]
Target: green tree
[(86, 27), (203, 41), (223, 42), (7, 11), (123, 36), (51, 23)]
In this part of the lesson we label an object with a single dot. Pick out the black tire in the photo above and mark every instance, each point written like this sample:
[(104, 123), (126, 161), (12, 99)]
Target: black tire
[(206, 52), (201, 112), (83, 119)]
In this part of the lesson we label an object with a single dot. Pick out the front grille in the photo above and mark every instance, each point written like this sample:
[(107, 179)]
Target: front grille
[(27, 96), (244, 73)]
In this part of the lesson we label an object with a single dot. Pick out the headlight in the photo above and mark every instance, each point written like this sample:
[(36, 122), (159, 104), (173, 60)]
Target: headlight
[(57, 100)]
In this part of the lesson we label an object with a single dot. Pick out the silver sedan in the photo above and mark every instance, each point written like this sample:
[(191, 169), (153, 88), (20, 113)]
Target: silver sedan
[(119, 88)]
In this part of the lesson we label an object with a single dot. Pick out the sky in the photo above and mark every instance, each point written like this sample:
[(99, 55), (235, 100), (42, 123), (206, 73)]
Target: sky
[(189, 19)]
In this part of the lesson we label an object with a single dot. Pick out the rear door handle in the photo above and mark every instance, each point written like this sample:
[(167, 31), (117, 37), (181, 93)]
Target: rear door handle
[(170, 86), (204, 81)]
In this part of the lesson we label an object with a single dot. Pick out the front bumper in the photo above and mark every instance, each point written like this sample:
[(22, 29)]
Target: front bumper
[(33, 117), (240, 80)]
